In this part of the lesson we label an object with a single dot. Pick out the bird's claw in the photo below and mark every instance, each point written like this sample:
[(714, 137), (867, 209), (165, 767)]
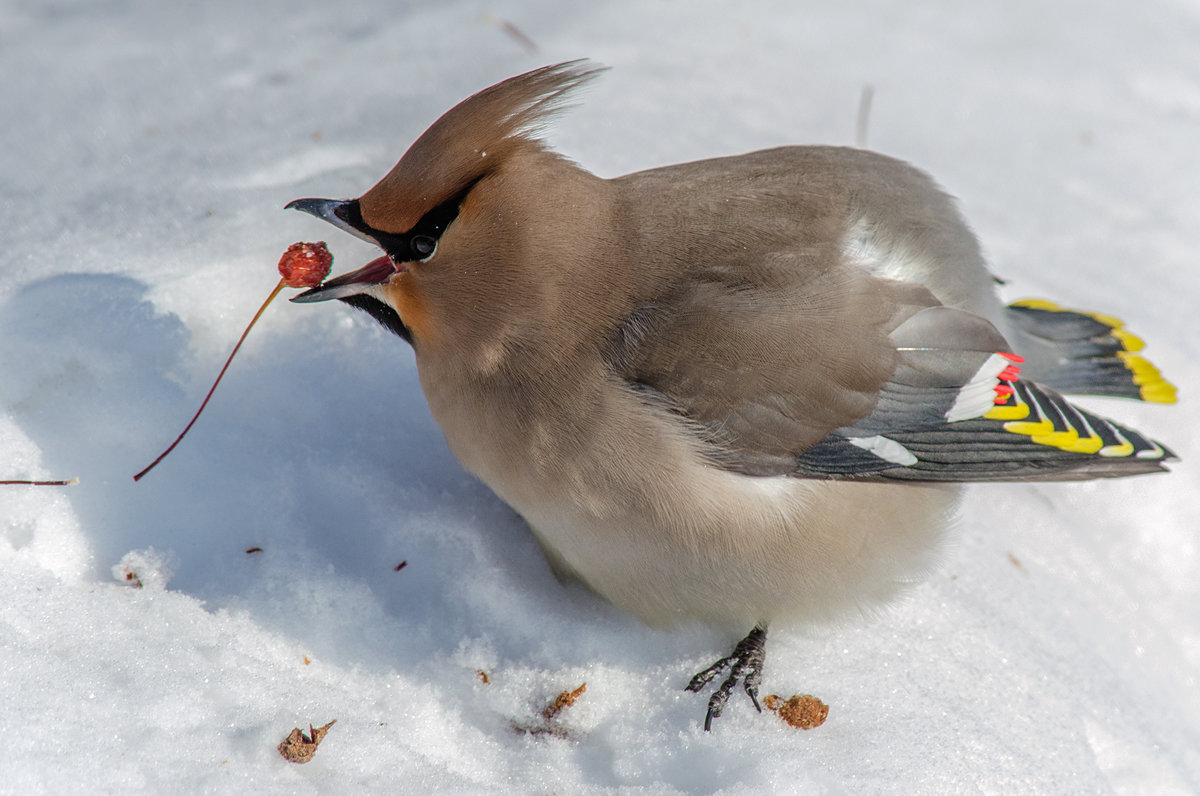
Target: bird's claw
[(745, 665)]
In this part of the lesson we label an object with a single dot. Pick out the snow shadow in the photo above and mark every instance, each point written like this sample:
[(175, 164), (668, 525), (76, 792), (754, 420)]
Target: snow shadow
[(315, 492)]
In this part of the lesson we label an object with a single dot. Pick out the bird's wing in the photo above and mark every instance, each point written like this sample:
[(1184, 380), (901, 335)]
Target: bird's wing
[(853, 376), (955, 409)]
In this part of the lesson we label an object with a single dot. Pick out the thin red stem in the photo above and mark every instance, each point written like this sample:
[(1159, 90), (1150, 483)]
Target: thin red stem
[(213, 389), (40, 483)]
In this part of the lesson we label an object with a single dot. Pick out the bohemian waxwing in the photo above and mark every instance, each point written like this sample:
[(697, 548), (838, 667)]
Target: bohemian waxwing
[(739, 391)]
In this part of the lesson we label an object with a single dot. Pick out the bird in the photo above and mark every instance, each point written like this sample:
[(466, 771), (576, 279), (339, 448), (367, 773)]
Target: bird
[(743, 391)]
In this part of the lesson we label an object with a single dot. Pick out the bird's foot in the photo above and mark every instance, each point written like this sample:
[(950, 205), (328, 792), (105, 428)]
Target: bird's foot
[(745, 664)]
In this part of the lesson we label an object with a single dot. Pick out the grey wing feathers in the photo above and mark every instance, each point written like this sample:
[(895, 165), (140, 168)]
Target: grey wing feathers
[(953, 409), (1053, 441), (852, 336), (1085, 353), (956, 410)]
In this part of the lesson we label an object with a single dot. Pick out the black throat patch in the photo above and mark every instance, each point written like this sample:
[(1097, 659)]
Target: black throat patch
[(381, 312)]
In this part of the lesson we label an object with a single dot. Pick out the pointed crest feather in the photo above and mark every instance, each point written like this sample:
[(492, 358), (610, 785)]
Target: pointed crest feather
[(469, 140)]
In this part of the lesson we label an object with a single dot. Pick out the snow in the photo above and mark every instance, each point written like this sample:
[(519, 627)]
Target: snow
[(149, 149)]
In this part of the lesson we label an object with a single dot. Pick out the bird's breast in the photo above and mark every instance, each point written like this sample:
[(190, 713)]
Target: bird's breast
[(622, 496)]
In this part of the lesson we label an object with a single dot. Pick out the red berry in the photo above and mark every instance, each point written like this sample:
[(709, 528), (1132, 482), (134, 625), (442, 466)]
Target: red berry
[(305, 264)]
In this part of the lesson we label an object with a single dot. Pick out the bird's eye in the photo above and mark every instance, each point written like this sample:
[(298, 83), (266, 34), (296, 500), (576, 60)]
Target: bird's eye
[(422, 246)]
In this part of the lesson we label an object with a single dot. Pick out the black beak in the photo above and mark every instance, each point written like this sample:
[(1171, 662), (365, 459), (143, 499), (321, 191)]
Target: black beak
[(357, 288), (342, 213), (345, 215)]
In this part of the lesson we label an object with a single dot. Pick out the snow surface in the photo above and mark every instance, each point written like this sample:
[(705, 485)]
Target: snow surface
[(148, 149)]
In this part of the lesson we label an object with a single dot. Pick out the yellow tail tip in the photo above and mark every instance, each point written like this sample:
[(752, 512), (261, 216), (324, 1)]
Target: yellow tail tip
[(1130, 342), (1038, 304), (1053, 306), (1151, 384), (1161, 392)]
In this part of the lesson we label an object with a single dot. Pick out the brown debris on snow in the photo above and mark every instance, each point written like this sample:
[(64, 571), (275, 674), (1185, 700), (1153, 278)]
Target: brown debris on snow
[(549, 723), (802, 710), (300, 748)]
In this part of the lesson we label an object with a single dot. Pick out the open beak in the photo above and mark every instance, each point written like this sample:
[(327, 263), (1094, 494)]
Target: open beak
[(343, 214), (373, 273)]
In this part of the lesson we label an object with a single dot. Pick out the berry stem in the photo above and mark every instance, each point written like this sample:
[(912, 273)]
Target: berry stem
[(68, 482), (212, 389)]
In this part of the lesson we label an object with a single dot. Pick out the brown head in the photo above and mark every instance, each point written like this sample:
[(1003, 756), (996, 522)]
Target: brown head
[(471, 220)]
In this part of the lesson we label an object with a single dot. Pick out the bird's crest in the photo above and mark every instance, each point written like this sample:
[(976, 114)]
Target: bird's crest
[(468, 141)]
